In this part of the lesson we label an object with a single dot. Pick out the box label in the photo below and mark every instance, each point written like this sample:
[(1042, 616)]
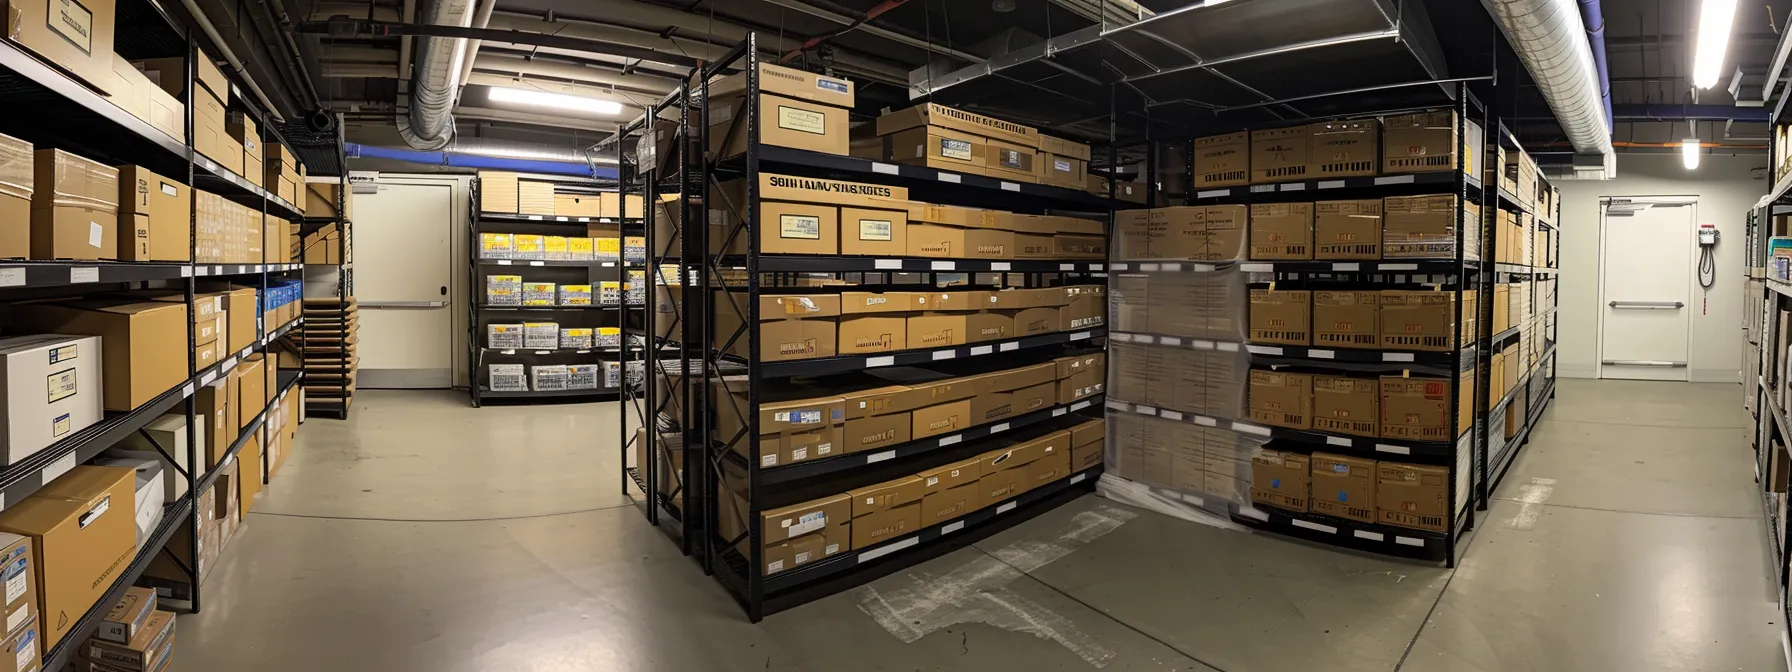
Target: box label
[(1061, 165), (955, 149), (799, 226), (64, 353), (805, 121), (1009, 159), (27, 650), (60, 425), (875, 229), (809, 522), (835, 86), (61, 385), (74, 22), (15, 579)]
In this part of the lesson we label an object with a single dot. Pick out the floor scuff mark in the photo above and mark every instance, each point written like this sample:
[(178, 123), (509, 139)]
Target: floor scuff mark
[(1531, 498)]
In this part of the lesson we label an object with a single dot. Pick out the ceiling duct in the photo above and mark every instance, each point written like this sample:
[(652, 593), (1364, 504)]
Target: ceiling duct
[(1551, 41), (429, 123)]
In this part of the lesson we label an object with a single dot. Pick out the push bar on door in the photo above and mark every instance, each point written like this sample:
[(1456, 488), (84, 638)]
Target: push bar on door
[(1648, 305)]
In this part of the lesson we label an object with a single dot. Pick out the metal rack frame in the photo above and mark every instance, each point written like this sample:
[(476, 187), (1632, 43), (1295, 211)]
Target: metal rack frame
[(53, 110)]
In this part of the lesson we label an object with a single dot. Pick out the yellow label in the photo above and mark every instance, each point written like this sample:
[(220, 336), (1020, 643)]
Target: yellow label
[(875, 229), (529, 243), (579, 246), (494, 242), (555, 244), (610, 245), (609, 331), (806, 121), (799, 226)]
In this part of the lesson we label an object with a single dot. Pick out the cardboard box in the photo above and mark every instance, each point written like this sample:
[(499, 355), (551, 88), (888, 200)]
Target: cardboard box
[(876, 432), (143, 345), (950, 476), (74, 36), (1279, 154), (1282, 231), (129, 617), (1347, 405), (1035, 321), (876, 528), (800, 519), (861, 303), (1222, 160), (945, 504), (1418, 409), (1010, 161), (1413, 496), (951, 242), (1281, 398), (241, 308), (783, 121), (1425, 227), (1347, 230), (871, 334), (1348, 319), (35, 418), (873, 232), (1281, 479), (1420, 320), (1343, 148), (169, 209), (213, 408), (939, 148), (941, 419), (1426, 142), (940, 116), (84, 531), (17, 176), (74, 207), (1281, 317), (19, 569), (936, 330), (1063, 163), (251, 398), (1344, 487), (154, 643)]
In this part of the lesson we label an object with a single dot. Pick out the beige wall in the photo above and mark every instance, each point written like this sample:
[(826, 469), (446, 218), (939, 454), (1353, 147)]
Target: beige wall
[(1726, 189)]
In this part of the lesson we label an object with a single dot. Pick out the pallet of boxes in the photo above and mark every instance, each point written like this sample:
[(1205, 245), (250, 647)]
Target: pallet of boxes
[(510, 193), (330, 333)]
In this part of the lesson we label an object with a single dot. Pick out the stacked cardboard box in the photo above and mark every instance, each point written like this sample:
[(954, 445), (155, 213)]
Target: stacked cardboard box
[(74, 207), (796, 108), (1423, 142), (865, 517), (17, 169), (227, 232), (1209, 463), (331, 331), (320, 198), (154, 217), (280, 174), (1411, 408), (83, 524), (325, 247), (1199, 233), (1387, 319), (1352, 488), (1208, 305)]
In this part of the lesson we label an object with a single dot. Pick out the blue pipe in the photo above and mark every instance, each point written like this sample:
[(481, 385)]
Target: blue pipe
[(459, 160), (1595, 20)]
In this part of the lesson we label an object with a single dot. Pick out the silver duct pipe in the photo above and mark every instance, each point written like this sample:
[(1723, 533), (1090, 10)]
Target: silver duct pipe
[(1552, 42), (482, 17), (520, 150), (429, 123)]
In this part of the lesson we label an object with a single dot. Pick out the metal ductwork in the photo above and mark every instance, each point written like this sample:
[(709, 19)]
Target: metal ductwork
[(435, 77), (1552, 43)]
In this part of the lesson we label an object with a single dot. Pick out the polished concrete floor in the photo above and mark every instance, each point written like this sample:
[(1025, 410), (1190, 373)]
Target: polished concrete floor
[(423, 535)]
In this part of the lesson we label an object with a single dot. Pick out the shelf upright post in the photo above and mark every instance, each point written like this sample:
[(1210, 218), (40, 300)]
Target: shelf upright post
[(191, 287), (628, 173), (705, 315), (750, 218), (1462, 282), (474, 291), (695, 527)]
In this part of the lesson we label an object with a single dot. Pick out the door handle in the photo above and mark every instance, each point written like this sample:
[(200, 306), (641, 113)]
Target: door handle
[(1648, 305), (404, 304), (1646, 362)]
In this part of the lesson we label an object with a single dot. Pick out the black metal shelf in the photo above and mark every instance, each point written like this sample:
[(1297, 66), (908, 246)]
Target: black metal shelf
[(23, 274), (1403, 184), (1499, 465), (553, 219), (581, 263), (211, 176), (548, 351), (841, 264), (488, 393), (1442, 453), (977, 187), (173, 516), (286, 381), (1509, 201), (1372, 537), (826, 365), (483, 306), (50, 109)]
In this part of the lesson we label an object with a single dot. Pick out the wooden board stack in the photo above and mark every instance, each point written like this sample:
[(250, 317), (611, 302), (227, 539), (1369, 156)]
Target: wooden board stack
[(332, 327)]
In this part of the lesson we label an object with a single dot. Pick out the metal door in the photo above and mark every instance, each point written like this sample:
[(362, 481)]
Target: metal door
[(1645, 286), (403, 269)]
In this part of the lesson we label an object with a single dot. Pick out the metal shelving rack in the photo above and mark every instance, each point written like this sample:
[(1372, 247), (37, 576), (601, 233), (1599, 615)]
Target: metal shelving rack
[(1767, 295), (52, 110), (325, 154), (592, 272)]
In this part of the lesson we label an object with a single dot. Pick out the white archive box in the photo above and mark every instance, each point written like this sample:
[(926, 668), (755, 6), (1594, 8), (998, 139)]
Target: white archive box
[(68, 368)]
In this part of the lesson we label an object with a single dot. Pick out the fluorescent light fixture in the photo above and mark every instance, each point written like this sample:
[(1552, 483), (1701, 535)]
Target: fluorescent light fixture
[(1715, 17), (1689, 153), (562, 101), (520, 153)]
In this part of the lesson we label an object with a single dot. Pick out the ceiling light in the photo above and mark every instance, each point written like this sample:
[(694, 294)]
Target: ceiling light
[(530, 154), (1715, 17), (1689, 153), (554, 100)]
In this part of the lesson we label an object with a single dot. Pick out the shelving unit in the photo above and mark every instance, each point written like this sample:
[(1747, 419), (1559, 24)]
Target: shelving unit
[(598, 315), (1767, 300), (330, 359)]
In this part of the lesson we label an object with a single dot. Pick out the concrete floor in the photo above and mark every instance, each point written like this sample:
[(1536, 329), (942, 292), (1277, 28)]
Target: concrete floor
[(424, 535)]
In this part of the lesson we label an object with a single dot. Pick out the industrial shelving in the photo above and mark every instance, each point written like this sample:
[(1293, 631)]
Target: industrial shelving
[(592, 272), (52, 110), (1766, 297)]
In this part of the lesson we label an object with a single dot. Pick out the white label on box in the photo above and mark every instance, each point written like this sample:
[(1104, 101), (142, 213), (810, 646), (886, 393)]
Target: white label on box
[(943, 266), (808, 522), (887, 264), (59, 467), (83, 274), (875, 229), (999, 427), (774, 566), (945, 354), (15, 588), (1145, 410), (1397, 450), (797, 454), (981, 350), (803, 227), (883, 168), (879, 457), (1409, 541), (1396, 356), (952, 527), (1393, 179), (1321, 354), (882, 551), (1009, 346), (949, 177), (1337, 441), (1205, 421), (1315, 526), (1371, 536), (18, 616), (1007, 507), (96, 234), (1167, 415), (955, 438), (1000, 266), (1294, 186), (873, 362), (27, 648), (1330, 184), (1346, 267), (1010, 186)]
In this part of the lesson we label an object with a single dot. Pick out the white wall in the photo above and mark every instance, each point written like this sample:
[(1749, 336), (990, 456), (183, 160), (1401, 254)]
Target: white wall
[(1726, 190)]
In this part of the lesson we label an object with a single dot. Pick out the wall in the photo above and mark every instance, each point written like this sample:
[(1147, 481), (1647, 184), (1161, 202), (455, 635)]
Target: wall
[(1726, 189)]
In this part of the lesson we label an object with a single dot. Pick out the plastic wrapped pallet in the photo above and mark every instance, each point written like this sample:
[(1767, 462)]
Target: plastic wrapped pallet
[(504, 290), (541, 335), (575, 295), (508, 378), (504, 336), (575, 338), (1198, 304), (550, 377), (582, 376), (1207, 467)]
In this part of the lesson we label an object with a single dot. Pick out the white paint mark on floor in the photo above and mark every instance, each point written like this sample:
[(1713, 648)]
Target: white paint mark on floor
[(977, 592), (1531, 497)]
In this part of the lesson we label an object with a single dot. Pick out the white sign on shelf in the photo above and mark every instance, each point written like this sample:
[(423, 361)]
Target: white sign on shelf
[(83, 274)]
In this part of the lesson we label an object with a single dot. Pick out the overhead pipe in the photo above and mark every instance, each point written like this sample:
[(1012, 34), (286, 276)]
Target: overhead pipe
[(236, 65), (1549, 39), (482, 17), (475, 161), (1591, 15), (435, 75)]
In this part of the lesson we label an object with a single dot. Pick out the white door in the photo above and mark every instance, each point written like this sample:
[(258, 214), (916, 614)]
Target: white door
[(1645, 291), (403, 269)]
